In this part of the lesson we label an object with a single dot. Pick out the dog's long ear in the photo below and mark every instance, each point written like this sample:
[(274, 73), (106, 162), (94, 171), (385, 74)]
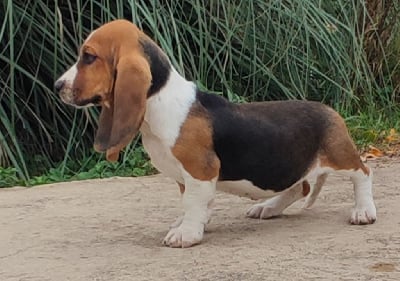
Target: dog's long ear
[(104, 128), (120, 120)]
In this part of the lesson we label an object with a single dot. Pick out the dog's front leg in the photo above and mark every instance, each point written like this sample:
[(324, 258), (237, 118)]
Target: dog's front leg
[(196, 199)]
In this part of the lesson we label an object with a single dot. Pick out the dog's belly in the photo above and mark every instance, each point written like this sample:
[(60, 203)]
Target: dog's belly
[(245, 188)]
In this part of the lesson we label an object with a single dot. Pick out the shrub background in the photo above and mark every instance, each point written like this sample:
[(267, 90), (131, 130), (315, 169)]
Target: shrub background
[(343, 53)]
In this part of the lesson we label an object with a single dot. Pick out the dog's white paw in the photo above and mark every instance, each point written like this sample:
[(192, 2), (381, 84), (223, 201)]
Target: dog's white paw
[(263, 211), (177, 222), (363, 215), (184, 236)]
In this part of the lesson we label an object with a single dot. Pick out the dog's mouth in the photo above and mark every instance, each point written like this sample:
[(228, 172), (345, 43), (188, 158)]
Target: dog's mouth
[(95, 100), (69, 97)]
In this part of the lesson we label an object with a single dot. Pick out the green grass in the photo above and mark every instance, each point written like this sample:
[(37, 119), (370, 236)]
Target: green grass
[(365, 129), (92, 167), (246, 50), (371, 129)]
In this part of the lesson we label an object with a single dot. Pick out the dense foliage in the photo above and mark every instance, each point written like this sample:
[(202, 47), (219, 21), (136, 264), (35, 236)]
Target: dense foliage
[(339, 52)]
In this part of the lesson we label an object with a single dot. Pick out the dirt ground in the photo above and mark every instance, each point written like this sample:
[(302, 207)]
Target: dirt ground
[(112, 230)]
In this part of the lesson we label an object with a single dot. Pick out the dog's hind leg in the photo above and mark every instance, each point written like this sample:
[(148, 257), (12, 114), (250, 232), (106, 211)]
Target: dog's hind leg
[(274, 206), (364, 211), (312, 196), (341, 156)]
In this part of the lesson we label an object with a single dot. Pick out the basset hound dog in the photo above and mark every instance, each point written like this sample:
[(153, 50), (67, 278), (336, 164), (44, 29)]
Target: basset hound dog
[(280, 150)]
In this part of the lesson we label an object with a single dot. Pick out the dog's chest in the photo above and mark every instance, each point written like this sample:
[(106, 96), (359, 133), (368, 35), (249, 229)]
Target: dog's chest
[(160, 155), (165, 114)]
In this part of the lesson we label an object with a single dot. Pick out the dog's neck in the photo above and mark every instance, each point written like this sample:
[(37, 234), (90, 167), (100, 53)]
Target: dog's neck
[(167, 109)]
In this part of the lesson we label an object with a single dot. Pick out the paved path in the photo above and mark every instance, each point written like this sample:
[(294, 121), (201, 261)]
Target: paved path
[(112, 230)]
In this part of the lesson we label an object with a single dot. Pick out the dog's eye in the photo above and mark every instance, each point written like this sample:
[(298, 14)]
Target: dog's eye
[(88, 58)]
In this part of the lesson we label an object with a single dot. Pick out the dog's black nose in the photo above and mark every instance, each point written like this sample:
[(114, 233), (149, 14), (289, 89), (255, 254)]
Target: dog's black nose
[(59, 85)]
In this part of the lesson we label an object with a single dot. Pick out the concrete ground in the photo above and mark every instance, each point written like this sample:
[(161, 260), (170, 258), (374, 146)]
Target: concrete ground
[(112, 229)]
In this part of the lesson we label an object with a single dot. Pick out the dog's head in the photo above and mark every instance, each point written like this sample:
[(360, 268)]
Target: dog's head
[(115, 70)]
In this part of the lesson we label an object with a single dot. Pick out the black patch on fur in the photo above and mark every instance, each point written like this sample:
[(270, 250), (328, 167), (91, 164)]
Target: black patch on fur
[(94, 100), (271, 144), (160, 66)]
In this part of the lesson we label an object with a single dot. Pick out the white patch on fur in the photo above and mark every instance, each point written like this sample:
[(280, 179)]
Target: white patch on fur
[(316, 172), (196, 199), (69, 76), (165, 114), (315, 190), (83, 106), (66, 93), (275, 206), (364, 211), (160, 154), (179, 220), (244, 188), (166, 111)]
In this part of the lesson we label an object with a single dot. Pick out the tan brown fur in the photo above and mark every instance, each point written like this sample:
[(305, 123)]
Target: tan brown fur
[(339, 151), (129, 103), (98, 76), (306, 188), (181, 187), (121, 76), (94, 79), (194, 147)]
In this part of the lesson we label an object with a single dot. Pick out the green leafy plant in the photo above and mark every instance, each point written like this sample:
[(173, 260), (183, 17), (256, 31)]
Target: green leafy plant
[(246, 50), (9, 177), (91, 167)]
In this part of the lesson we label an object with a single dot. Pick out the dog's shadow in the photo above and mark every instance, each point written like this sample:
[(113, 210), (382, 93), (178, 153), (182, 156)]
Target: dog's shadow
[(284, 225), (231, 230)]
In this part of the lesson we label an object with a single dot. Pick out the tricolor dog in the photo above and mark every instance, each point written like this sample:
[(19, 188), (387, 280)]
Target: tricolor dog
[(203, 141)]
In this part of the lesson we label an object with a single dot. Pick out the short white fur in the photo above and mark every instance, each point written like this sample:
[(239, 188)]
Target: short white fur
[(275, 206), (244, 188), (363, 212), (69, 76), (196, 200), (165, 114)]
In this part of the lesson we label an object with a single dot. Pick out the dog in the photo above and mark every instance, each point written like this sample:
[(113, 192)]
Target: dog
[(261, 150)]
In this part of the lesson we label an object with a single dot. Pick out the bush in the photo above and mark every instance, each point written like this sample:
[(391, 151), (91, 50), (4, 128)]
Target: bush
[(245, 50)]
